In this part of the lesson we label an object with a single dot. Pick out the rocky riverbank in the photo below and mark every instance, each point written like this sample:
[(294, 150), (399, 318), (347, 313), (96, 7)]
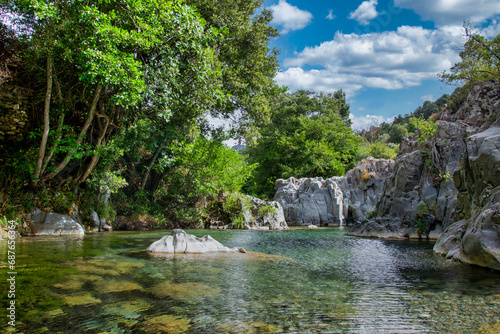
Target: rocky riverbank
[(451, 182), (445, 188)]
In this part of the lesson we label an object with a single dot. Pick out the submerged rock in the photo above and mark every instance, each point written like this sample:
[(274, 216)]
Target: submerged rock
[(54, 224), (183, 243)]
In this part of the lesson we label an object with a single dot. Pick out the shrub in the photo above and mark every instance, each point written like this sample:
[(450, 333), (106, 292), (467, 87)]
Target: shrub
[(267, 209)]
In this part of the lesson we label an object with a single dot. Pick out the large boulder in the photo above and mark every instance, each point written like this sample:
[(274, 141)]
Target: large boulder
[(54, 224), (309, 201), (362, 187), (478, 204), (179, 242), (330, 202), (448, 243)]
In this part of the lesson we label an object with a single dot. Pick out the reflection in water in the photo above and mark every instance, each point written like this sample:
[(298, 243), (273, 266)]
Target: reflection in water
[(315, 281), (379, 297)]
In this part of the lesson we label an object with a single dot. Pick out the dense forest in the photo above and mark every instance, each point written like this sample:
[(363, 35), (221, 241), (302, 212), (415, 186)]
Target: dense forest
[(117, 98)]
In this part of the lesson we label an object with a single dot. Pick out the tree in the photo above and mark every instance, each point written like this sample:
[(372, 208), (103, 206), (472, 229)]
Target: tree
[(107, 65), (249, 67), (397, 133), (480, 60), (203, 173), (307, 137)]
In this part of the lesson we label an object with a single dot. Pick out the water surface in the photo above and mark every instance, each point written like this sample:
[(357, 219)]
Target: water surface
[(317, 281)]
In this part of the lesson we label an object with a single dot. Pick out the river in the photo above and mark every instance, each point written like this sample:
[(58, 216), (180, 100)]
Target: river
[(313, 281)]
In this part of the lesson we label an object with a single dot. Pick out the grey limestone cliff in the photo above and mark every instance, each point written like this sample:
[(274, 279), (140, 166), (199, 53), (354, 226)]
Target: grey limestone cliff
[(332, 201)]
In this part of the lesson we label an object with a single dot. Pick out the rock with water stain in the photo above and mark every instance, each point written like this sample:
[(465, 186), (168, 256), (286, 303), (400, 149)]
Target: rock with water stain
[(478, 183), (329, 202), (179, 242)]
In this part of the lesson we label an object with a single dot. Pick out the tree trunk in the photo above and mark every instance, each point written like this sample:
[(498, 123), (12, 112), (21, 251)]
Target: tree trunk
[(148, 170), (58, 130), (79, 140), (95, 158), (46, 123)]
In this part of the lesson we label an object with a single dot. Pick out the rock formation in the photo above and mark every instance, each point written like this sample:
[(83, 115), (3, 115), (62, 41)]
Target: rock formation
[(54, 224), (179, 242), (330, 202), (476, 238), (264, 215), (449, 183)]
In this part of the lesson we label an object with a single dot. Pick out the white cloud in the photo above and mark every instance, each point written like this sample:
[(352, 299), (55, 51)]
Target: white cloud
[(364, 122), (330, 15), (365, 12), (452, 11), (388, 60), (289, 17), (427, 97), (492, 30)]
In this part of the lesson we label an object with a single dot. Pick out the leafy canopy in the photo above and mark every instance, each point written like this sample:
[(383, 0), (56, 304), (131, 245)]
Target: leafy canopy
[(480, 60), (309, 135)]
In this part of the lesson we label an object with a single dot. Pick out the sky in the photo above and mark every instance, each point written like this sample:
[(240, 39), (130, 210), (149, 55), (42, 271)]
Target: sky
[(384, 54)]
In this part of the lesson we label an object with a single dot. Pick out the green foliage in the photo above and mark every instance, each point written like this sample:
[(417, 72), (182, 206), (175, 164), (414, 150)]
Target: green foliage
[(425, 129), (108, 182), (378, 150), (15, 225), (203, 171), (422, 227), (422, 208), (371, 214), (397, 133), (480, 60), (234, 205), (242, 51), (404, 125), (307, 136), (266, 210)]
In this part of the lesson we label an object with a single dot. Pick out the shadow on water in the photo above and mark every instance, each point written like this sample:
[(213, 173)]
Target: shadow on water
[(311, 281)]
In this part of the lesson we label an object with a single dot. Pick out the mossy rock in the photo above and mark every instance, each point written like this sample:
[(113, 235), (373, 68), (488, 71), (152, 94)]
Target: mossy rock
[(117, 286), (165, 324), (69, 285), (80, 299), (185, 292)]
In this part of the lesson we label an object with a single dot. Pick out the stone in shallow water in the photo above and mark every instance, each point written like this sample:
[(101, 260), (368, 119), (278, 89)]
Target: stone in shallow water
[(117, 286), (183, 243), (187, 292), (165, 324), (80, 299), (69, 285)]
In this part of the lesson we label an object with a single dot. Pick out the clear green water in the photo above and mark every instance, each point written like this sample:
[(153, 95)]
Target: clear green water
[(320, 281)]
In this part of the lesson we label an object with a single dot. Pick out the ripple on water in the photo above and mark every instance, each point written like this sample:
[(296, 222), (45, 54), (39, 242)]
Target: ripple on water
[(313, 281)]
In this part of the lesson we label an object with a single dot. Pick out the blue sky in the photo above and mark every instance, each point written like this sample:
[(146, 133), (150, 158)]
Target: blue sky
[(385, 54)]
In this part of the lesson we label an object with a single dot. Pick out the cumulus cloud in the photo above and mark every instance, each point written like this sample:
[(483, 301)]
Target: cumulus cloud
[(289, 17), (364, 122), (365, 12), (330, 15), (452, 11), (388, 60)]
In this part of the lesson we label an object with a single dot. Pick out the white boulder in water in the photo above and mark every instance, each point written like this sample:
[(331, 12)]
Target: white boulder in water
[(181, 242)]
